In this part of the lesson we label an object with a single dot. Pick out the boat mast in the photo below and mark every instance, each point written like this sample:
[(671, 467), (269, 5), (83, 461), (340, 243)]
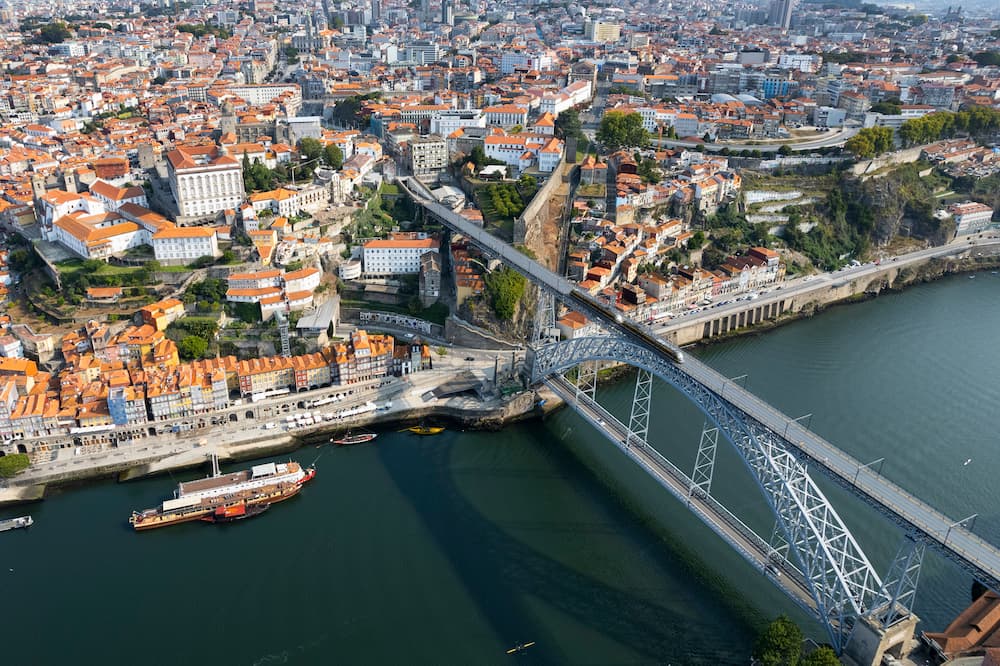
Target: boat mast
[(215, 465)]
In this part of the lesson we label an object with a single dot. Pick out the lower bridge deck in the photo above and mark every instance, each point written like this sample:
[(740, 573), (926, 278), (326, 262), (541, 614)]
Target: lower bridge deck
[(756, 550)]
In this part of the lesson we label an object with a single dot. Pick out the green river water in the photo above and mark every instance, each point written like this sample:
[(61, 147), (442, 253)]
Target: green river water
[(452, 549)]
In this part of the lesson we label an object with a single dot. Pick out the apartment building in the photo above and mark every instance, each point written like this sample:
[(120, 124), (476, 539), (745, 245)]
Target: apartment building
[(180, 245), (428, 156), (396, 256), (970, 217)]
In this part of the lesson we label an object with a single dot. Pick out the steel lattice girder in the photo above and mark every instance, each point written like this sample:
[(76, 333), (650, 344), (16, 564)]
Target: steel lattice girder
[(841, 579)]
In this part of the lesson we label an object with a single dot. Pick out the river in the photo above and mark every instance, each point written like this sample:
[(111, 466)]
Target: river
[(455, 548)]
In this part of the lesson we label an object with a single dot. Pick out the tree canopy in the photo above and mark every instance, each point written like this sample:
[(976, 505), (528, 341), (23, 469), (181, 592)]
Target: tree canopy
[(870, 141), (504, 287), (192, 347), (780, 644), (54, 33), (310, 149), (987, 58), (887, 107), (822, 656), (977, 121), (13, 463), (333, 156), (619, 129)]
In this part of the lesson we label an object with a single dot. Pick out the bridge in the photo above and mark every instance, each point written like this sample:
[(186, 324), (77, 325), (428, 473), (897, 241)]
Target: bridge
[(861, 611)]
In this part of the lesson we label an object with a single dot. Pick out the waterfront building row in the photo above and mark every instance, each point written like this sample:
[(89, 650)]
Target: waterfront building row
[(94, 395)]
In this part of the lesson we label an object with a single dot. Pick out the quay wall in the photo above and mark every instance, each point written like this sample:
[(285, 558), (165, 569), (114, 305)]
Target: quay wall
[(196, 448), (776, 309)]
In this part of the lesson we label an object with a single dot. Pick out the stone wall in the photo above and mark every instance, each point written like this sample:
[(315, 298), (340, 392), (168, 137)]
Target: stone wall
[(528, 227), (898, 157)]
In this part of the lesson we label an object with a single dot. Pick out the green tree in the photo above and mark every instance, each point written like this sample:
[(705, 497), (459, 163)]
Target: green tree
[(333, 156), (192, 347), (53, 33), (987, 58), (785, 149), (619, 129), (478, 157), (887, 107), (568, 124), (13, 463), (697, 240), (821, 656), (504, 288), (870, 141), (310, 149), (780, 644), (648, 170)]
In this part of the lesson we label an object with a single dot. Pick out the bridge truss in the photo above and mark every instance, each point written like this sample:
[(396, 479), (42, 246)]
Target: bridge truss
[(841, 580)]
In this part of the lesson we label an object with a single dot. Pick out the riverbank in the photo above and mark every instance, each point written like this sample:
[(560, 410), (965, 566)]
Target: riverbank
[(839, 294), (154, 458)]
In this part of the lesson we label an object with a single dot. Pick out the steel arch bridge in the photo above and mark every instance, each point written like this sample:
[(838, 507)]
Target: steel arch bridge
[(842, 582)]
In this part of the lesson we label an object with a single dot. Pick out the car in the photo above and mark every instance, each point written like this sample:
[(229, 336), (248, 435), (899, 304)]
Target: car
[(600, 422), (469, 358)]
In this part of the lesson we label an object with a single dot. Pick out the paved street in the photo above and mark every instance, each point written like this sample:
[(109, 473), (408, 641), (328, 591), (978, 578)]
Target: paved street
[(810, 283)]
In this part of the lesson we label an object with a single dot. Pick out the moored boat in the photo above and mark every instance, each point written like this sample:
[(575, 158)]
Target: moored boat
[(357, 438), (16, 523), (425, 430), (224, 497), (236, 511)]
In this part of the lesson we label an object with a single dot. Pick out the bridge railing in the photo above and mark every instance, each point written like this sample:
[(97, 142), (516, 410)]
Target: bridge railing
[(911, 513), (655, 463)]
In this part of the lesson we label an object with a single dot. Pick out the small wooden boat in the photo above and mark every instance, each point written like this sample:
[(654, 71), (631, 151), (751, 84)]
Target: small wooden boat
[(425, 430), (348, 439)]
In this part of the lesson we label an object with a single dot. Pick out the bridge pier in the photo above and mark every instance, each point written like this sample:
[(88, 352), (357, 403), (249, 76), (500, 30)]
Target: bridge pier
[(869, 641)]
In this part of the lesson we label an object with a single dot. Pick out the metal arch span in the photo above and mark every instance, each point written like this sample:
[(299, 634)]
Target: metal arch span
[(842, 581)]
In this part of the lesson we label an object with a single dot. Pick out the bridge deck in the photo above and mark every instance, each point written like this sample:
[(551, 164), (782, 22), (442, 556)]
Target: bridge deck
[(744, 540), (979, 558)]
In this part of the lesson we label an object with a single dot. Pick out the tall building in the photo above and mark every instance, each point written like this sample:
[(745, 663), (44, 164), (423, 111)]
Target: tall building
[(600, 31), (376, 11), (781, 13), (428, 156), (448, 12)]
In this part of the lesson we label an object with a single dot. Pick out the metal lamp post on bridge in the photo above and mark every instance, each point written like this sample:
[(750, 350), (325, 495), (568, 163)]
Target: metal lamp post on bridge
[(878, 462), (735, 380), (796, 420), (961, 523)]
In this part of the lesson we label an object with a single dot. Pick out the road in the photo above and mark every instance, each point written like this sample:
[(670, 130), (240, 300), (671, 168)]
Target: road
[(590, 120), (977, 557), (832, 138), (810, 283), (745, 541)]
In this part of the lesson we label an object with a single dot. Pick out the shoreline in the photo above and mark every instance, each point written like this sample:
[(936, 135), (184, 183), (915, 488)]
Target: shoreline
[(484, 417), (931, 271), (518, 407)]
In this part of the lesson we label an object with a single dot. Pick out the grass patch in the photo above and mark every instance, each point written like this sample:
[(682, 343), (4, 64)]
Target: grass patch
[(73, 266), (594, 190)]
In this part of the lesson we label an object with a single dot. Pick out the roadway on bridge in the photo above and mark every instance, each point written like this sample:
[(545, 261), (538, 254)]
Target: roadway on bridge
[(745, 541), (976, 556)]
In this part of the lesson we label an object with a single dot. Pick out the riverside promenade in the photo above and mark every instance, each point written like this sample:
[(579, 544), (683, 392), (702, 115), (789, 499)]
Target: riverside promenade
[(397, 400)]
